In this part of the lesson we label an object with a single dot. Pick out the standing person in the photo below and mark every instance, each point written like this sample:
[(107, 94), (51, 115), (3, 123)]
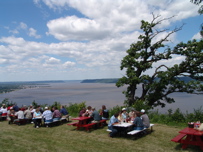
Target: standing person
[(145, 119), (113, 120), (104, 113), (36, 118), (95, 115), (47, 115), (64, 112), (138, 125), (56, 114)]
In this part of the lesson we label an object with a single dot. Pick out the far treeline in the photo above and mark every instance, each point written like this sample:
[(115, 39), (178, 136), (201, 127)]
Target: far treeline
[(115, 80), (6, 87)]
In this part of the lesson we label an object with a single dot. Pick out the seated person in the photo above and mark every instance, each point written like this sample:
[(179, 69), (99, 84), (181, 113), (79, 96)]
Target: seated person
[(28, 114), (47, 115), (37, 118), (3, 111), (145, 119), (104, 113), (120, 118), (132, 118), (113, 120), (56, 114), (95, 115), (82, 112), (131, 112), (15, 108), (138, 125), (64, 112), (11, 115), (124, 114), (89, 111), (19, 115)]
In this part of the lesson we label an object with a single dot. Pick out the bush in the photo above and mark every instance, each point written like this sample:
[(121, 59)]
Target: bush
[(115, 110), (75, 108)]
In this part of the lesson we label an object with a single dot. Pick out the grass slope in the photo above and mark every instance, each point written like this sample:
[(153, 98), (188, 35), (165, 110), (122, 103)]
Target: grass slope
[(65, 138)]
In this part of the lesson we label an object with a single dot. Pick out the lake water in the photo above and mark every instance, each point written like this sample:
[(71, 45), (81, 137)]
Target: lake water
[(95, 94)]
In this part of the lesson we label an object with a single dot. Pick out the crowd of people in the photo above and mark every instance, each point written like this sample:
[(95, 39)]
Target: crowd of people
[(138, 119), (33, 114), (94, 114)]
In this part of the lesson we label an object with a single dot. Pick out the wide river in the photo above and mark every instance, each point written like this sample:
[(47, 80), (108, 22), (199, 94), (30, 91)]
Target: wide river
[(94, 94)]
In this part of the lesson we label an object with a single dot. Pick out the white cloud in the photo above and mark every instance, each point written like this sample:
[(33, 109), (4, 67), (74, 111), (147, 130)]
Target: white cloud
[(89, 45), (74, 28), (52, 60), (108, 18), (33, 33), (23, 25), (68, 64), (197, 36)]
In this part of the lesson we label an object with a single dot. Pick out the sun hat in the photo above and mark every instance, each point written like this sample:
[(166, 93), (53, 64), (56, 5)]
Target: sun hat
[(123, 109), (143, 111), (45, 108)]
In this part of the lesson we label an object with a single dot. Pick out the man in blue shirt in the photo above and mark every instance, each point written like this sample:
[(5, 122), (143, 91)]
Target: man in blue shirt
[(64, 113), (113, 120)]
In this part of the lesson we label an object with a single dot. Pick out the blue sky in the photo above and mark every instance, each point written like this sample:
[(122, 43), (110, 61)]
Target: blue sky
[(76, 39)]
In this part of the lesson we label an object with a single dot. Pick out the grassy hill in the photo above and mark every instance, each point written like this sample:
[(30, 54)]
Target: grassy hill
[(64, 138)]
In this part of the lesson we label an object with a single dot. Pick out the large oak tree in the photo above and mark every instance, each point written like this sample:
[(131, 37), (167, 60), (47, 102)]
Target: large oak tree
[(164, 80)]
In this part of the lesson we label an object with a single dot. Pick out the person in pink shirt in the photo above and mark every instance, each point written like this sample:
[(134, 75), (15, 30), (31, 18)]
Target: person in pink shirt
[(56, 114)]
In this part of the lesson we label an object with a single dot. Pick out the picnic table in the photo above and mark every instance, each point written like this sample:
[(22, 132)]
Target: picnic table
[(189, 136), (83, 123), (123, 127)]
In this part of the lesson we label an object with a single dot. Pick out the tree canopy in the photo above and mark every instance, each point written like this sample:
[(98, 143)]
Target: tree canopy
[(164, 80)]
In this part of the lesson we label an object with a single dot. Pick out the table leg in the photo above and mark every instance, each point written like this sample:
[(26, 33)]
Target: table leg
[(186, 141)]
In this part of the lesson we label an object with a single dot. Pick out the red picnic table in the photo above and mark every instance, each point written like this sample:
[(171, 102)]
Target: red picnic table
[(189, 136), (83, 123)]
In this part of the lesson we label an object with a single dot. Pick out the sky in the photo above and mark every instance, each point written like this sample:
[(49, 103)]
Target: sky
[(77, 39)]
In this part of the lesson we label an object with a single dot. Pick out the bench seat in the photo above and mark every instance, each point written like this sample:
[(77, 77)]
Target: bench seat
[(178, 138), (88, 126), (73, 124), (133, 132), (102, 122)]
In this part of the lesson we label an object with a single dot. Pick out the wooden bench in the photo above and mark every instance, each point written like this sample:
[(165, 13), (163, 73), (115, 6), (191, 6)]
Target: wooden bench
[(63, 120), (88, 126), (53, 123), (73, 124), (20, 121), (133, 132), (102, 122), (178, 138)]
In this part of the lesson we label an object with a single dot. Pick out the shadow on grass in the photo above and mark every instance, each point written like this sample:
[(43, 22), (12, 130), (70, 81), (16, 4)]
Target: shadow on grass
[(190, 148)]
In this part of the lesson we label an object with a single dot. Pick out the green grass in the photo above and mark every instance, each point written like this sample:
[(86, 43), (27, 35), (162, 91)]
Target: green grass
[(65, 138)]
